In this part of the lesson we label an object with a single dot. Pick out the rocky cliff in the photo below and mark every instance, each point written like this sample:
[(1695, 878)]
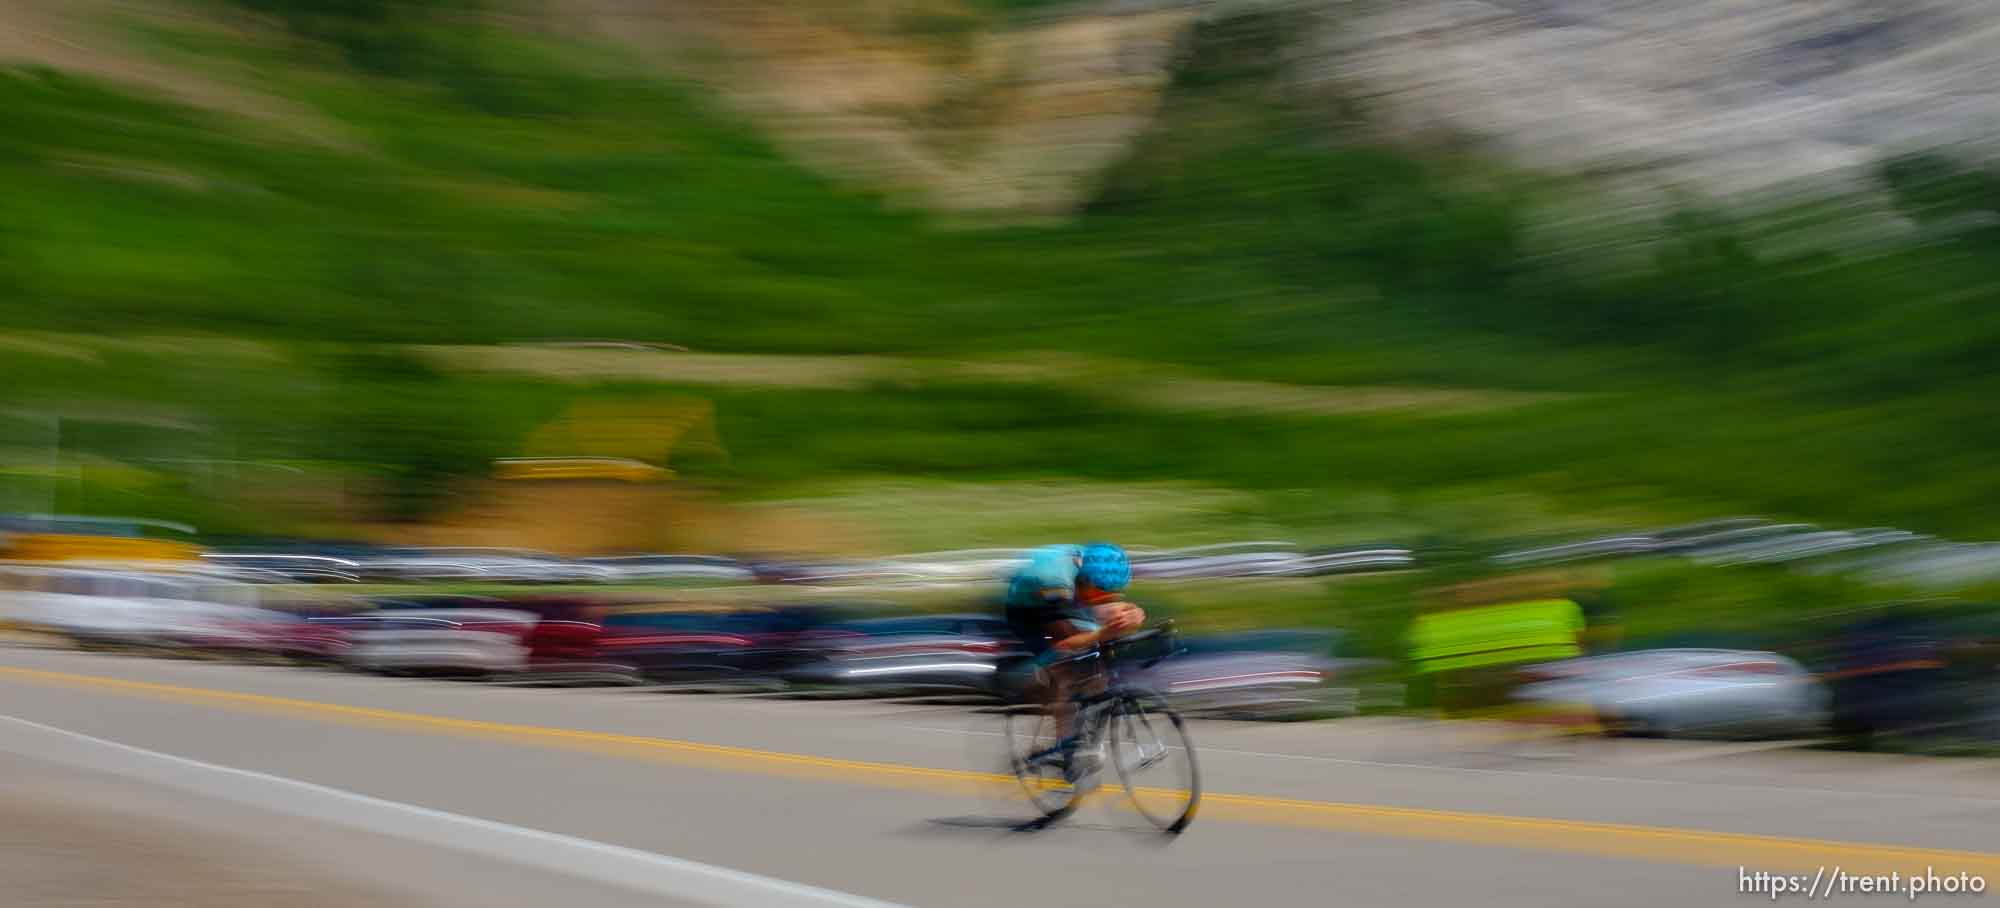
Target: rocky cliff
[(1722, 96), (1719, 97)]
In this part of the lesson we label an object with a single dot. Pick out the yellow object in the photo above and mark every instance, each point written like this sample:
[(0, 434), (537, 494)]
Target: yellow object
[(69, 547), (644, 431), (1536, 631)]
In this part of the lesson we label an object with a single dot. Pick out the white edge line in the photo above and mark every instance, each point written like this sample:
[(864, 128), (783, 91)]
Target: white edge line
[(601, 862)]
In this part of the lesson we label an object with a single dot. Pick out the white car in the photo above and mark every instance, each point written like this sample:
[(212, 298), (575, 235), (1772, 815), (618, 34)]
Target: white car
[(102, 606), (448, 641), (670, 567)]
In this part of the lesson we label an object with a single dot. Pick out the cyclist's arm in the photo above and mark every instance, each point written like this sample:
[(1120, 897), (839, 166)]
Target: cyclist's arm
[(1118, 619), (1118, 616), (1083, 641)]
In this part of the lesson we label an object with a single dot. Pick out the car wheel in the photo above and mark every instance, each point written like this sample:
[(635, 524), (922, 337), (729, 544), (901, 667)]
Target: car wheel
[(1623, 725)]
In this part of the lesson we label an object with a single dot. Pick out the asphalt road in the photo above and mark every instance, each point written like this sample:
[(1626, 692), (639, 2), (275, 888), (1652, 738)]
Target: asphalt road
[(440, 793)]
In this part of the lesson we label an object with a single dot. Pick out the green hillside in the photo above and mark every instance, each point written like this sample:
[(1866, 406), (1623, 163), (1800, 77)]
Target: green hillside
[(495, 184)]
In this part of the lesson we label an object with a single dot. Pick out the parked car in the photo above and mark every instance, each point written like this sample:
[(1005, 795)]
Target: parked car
[(478, 564), (1917, 672), (315, 636), (238, 631), (1227, 560), (458, 641), (756, 644), (435, 602), (1359, 559), (966, 565), (1687, 692), (113, 607), (672, 567), (1274, 674), (286, 567), (566, 644), (921, 652), (1255, 675)]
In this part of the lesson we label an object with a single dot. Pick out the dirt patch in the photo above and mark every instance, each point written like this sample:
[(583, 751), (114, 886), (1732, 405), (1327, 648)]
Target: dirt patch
[(1135, 384), (602, 518), (20, 343), (643, 365), (1318, 400), (1160, 387), (89, 347), (75, 35), (509, 196), (135, 171), (170, 345), (65, 855), (938, 102), (913, 516)]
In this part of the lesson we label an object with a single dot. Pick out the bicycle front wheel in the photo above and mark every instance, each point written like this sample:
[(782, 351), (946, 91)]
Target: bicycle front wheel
[(1155, 760)]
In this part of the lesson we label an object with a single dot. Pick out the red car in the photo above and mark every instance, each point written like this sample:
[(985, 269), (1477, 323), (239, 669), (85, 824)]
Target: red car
[(568, 643)]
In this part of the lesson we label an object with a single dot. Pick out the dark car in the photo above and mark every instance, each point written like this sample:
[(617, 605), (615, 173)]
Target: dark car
[(1910, 671), (759, 645)]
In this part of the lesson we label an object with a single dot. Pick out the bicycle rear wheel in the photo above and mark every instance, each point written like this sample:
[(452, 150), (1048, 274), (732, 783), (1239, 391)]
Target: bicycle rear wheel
[(1155, 760), (1035, 754)]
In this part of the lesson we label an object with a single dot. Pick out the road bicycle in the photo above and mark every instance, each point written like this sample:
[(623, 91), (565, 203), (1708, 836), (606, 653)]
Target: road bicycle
[(1146, 741)]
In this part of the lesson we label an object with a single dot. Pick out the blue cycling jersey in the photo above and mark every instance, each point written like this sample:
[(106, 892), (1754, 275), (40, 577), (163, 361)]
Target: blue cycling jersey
[(1048, 576), (1043, 591)]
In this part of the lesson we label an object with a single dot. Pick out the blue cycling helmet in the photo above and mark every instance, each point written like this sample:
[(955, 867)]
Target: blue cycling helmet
[(1105, 567)]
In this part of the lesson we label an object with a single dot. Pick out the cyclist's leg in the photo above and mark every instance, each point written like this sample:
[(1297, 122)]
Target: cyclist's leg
[(1060, 703), (1064, 682), (1059, 688)]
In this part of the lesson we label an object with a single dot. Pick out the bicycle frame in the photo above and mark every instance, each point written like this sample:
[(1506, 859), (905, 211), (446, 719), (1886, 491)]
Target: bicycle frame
[(1092, 708), (1109, 697)]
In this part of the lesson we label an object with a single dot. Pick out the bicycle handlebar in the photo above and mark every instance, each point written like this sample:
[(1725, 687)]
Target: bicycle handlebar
[(1102, 647)]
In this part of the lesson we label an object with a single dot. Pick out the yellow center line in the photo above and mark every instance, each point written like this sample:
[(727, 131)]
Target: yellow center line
[(1656, 843)]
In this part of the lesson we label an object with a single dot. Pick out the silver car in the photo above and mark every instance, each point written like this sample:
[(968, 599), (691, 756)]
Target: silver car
[(920, 652), (1688, 692), (1269, 675), (454, 641)]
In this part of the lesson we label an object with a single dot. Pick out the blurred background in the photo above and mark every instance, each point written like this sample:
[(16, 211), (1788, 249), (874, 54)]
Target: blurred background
[(615, 323)]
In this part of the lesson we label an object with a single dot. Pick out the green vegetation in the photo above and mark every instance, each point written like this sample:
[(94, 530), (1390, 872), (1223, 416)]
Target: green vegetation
[(505, 187)]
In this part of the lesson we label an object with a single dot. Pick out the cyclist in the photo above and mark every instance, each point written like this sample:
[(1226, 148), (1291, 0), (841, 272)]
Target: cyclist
[(1063, 601)]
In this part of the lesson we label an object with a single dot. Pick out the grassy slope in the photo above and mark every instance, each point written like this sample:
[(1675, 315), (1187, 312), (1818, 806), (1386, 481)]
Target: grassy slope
[(514, 188)]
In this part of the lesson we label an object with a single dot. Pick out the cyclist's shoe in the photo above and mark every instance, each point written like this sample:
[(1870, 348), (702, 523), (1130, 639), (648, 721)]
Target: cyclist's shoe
[(1081, 765)]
